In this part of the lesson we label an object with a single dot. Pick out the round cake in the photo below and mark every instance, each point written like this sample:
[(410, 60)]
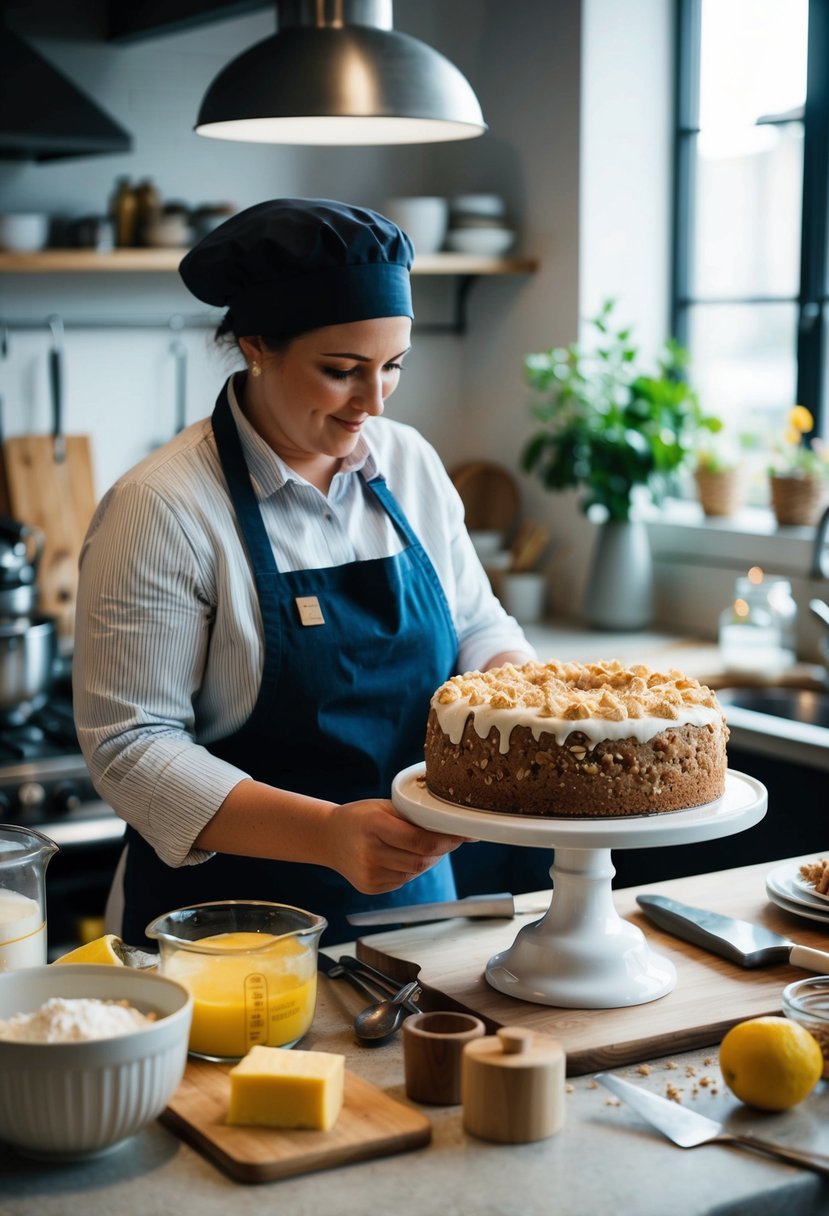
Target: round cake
[(573, 739)]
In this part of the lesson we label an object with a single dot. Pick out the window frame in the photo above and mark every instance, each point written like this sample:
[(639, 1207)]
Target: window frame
[(813, 294)]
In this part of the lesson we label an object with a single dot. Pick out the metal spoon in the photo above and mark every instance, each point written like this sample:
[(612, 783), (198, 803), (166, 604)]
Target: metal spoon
[(379, 1021)]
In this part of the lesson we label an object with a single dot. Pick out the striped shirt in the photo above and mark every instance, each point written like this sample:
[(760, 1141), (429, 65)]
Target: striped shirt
[(169, 645)]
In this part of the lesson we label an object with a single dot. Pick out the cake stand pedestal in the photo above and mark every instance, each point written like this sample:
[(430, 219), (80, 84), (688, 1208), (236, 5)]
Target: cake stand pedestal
[(581, 954)]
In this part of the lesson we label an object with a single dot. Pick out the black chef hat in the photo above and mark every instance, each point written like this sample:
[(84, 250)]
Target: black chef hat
[(294, 264)]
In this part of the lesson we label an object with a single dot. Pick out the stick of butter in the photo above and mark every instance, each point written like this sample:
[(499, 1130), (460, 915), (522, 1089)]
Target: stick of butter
[(274, 1087)]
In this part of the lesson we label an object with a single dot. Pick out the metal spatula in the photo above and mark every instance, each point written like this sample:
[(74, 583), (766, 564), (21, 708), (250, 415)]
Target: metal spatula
[(689, 1129)]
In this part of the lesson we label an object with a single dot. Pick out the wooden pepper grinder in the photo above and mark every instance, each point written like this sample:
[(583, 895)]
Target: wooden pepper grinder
[(512, 1086)]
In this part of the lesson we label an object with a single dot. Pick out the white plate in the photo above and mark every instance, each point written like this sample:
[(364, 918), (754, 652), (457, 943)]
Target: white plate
[(742, 805), (797, 909), (808, 888), (784, 881)]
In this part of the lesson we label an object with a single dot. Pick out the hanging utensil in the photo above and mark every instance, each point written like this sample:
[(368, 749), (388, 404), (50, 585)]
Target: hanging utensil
[(179, 352), (56, 387)]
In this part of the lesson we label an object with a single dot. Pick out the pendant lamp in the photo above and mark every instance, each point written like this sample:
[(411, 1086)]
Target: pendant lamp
[(337, 73)]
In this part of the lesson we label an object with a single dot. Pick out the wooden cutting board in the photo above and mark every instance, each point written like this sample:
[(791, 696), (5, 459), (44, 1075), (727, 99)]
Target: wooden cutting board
[(371, 1124), (58, 497), (449, 960)]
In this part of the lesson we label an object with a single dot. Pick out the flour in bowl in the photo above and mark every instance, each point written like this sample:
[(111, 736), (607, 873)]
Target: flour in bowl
[(65, 1020)]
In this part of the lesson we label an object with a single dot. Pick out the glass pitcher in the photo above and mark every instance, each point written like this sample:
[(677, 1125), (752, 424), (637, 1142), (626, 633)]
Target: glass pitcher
[(251, 967), (24, 856)]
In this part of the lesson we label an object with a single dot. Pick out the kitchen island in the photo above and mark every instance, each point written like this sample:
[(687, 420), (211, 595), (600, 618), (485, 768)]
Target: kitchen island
[(605, 1159)]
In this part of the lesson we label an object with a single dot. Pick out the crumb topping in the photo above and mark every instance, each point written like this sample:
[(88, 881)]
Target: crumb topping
[(817, 873), (576, 692)]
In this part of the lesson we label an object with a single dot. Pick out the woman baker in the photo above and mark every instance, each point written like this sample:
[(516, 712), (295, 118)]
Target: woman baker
[(268, 602)]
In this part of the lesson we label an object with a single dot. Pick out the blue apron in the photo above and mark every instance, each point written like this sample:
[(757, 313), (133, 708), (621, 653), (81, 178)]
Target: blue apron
[(341, 709)]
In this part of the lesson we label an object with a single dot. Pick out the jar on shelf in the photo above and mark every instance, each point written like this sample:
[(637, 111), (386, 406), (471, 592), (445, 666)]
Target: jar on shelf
[(147, 207), (757, 631), (123, 209)]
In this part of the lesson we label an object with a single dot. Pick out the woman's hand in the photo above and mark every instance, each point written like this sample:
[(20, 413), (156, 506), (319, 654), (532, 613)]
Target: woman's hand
[(377, 851)]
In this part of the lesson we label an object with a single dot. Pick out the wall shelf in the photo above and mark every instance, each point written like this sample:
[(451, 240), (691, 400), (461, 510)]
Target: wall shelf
[(83, 261), (464, 268)]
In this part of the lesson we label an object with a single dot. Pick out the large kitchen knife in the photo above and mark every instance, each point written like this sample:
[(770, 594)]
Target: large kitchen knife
[(412, 914), (738, 940)]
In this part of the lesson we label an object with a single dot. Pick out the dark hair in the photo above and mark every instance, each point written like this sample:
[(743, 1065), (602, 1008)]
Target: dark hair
[(226, 335)]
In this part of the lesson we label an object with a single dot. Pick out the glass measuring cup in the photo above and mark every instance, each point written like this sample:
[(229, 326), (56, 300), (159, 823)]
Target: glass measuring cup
[(251, 967), (24, 856)]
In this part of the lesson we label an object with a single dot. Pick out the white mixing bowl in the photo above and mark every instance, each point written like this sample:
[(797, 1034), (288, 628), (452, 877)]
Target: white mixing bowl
[(68, 1101)]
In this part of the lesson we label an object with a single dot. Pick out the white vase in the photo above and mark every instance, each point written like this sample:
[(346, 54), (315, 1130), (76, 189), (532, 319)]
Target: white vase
[(524, 595), (619, 590)]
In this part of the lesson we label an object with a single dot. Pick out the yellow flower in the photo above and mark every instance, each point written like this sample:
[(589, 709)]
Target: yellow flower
[(800, 421)]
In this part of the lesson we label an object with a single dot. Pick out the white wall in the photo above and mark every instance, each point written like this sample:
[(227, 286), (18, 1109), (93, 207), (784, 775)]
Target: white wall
[(465, 394), (575, 93)]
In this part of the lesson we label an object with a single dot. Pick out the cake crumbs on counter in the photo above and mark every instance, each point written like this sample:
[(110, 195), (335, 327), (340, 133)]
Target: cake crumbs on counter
[(671, 1065), (644, 1070)]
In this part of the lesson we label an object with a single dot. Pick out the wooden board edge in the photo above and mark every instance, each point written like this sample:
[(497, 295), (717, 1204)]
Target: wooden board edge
[(326, 1159)]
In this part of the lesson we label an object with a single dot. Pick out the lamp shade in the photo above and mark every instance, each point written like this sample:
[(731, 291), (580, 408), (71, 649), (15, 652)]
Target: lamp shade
[(337, 83)]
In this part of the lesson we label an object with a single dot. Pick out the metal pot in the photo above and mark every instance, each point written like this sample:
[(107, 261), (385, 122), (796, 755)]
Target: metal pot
[(20, 550), (28, 655)]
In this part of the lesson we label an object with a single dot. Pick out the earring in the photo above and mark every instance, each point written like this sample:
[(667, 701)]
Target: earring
[(255, 370)]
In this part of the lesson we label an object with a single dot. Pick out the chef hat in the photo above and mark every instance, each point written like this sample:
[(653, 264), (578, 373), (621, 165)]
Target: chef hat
[(294, 264)]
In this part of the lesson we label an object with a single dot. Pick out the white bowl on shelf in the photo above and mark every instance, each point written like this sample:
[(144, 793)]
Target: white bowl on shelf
[(487, 242), (486, 543), (23, 231), (423, 218), (490, 205), (73, 1101)]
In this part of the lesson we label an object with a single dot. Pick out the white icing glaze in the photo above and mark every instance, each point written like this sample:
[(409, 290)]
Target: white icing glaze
[(452, 719)]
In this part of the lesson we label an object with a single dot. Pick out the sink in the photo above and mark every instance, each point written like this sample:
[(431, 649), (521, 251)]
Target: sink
[(794, 704)]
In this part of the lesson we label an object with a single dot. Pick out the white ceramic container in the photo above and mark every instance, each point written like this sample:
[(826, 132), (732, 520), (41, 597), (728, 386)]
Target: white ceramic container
[(486, 242), (23, 231), (72, 1101), (424, 220)]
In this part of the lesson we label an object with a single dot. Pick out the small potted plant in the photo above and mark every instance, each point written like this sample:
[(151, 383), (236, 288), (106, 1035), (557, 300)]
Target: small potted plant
[(609, 429), (799, 472), (720, 481)]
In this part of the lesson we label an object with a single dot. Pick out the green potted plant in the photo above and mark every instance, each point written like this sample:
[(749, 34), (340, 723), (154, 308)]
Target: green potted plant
[(720, 479), (799, 472), (609, 429)]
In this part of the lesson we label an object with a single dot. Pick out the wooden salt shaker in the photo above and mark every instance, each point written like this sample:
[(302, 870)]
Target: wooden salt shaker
[(512, 1086), (433, 1046)]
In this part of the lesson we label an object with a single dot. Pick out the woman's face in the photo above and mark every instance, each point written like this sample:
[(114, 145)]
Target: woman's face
[(312, 399)]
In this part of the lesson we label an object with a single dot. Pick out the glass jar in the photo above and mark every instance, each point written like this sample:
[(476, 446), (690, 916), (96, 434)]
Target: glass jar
[(251, 967), (807, 1002), (757, 632)]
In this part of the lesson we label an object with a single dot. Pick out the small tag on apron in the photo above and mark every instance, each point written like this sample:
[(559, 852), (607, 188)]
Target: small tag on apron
[(310, 612)]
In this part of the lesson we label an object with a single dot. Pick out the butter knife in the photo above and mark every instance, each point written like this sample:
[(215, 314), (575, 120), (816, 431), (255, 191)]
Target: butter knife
[(502, 905)]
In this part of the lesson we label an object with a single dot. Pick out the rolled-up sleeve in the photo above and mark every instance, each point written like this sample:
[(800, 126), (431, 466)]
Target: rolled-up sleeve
[(143, 625)]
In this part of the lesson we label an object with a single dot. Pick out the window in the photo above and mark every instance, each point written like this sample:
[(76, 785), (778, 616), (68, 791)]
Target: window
[(750, 276)]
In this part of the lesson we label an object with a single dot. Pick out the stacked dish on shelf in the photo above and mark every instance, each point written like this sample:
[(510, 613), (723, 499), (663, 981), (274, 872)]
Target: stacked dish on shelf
[(478, 224)]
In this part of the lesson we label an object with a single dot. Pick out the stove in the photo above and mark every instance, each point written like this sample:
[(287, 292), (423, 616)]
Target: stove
[(44, 784)]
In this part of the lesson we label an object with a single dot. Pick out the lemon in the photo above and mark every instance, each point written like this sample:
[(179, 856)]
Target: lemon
[(106, 949), (771, 1063)]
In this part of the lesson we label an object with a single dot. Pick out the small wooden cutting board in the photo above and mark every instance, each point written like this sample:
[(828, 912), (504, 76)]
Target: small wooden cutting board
[(371, 1124), (58, 497)]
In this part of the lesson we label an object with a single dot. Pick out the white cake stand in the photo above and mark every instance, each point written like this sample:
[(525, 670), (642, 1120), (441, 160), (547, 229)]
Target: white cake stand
[(581, 954)]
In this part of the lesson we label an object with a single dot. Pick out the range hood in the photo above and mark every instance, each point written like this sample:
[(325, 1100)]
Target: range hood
[(44, 116)]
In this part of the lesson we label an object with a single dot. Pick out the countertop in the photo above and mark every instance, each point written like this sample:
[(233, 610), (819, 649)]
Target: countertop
[(603, 1160)]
